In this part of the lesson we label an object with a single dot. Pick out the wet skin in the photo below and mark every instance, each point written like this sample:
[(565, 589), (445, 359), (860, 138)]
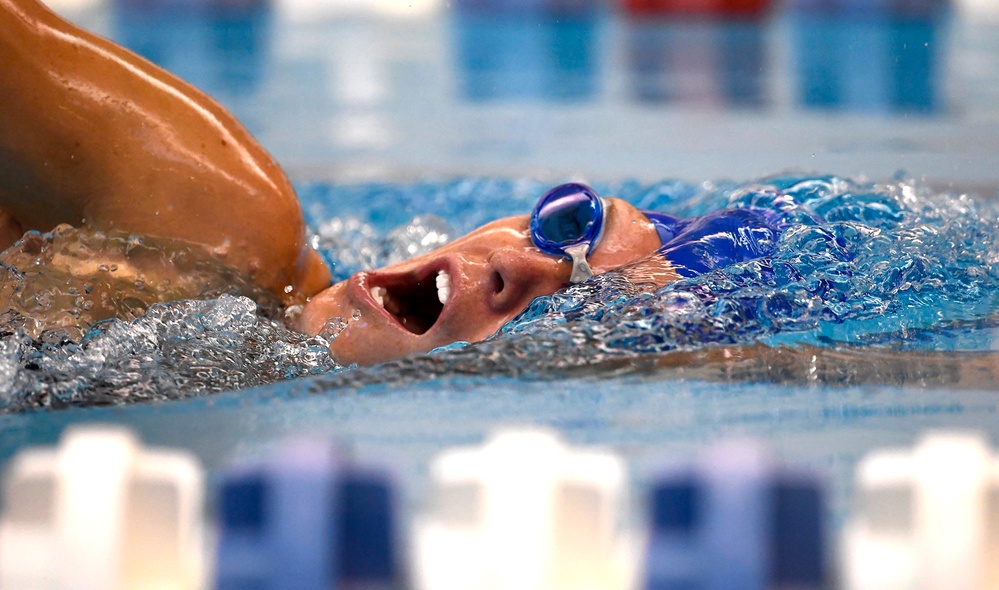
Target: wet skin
[(494, 273), (93, 135)]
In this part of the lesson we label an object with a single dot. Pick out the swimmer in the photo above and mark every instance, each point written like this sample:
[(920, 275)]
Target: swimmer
[(94, 136)]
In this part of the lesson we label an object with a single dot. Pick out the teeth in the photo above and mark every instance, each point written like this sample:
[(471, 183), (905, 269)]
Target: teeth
[(378, 293), (443, 286)]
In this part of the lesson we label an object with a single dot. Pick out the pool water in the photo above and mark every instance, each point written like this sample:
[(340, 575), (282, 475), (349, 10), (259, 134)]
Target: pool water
[(644, 418), (893, 267)]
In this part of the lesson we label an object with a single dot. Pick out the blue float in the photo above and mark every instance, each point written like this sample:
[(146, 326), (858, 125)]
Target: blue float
[(305, 518), (735, 519)]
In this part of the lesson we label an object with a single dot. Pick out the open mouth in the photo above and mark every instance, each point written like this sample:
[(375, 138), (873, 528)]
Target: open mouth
[(415, 305)]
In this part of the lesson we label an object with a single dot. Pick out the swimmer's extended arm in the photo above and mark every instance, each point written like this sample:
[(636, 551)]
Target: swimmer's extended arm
[(92, 134)]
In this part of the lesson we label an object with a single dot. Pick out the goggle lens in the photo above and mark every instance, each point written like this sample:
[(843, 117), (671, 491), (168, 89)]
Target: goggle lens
[(567, 221)]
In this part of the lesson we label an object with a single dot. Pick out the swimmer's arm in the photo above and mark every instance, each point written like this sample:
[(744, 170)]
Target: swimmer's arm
[(10, 230), (91, 133)]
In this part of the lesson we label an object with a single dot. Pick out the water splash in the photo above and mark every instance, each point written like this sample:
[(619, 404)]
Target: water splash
[(893, 266), (886, 258), (349, 245), (174, 350)]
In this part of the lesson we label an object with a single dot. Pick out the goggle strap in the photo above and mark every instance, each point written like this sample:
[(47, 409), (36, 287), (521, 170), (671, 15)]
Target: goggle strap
[(580, 267)]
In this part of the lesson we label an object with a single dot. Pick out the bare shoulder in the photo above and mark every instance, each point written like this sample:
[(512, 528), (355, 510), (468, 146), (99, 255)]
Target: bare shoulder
[(94, 134)]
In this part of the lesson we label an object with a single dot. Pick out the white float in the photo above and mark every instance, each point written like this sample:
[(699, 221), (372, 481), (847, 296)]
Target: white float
[(99, 512), (925, 518), (523, 512), (979, 11)]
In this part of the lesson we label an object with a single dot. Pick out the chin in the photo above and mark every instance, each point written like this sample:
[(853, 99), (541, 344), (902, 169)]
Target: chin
[(346, 351)]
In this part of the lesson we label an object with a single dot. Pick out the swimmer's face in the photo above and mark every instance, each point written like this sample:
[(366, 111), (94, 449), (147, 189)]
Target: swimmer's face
[(492, 274)]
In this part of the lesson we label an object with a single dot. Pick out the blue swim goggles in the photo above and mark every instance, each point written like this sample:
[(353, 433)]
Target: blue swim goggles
[(568, 221)]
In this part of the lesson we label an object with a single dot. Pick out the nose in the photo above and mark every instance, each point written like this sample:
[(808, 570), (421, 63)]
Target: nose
[(519, 275)]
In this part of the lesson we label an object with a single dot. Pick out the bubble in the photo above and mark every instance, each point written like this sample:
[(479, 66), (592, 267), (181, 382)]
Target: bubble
[(177, 349), (423, 234), (332, 328)]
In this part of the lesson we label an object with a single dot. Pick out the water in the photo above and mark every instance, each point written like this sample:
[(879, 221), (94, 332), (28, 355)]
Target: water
[(396, 100), (896, 268)]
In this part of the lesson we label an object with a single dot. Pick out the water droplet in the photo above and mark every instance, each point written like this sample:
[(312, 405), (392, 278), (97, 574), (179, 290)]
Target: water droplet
[(332, 328)]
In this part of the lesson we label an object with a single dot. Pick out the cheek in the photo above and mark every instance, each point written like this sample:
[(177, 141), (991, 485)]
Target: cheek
[(361, 345)]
